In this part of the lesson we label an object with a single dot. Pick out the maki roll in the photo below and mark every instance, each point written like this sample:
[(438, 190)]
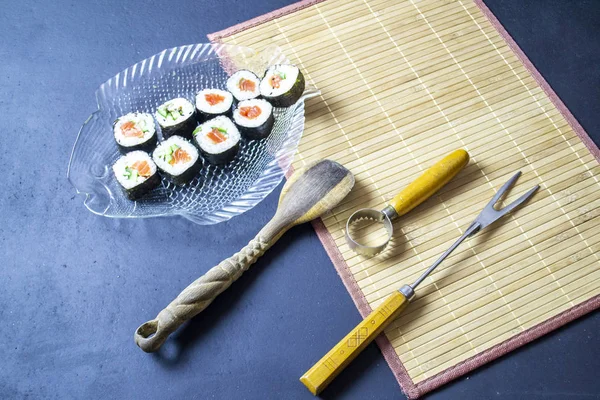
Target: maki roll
[(218, 139), (211, 103), (244, 85), (254, 118), (176, 117), (178, 159), (135, 131), (136, 173), (282, 85)]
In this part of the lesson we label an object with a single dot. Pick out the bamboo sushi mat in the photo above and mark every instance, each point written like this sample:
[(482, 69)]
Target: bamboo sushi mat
[(404, 83)]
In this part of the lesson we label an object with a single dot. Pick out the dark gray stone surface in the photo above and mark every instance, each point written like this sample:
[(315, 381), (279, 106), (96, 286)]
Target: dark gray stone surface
[(71, 296)]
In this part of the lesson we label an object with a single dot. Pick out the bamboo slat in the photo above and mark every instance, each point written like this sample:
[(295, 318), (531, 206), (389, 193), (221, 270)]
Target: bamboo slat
[(403, 83)]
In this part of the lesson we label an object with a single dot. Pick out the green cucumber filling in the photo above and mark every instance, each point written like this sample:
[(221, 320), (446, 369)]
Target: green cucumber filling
[(143, 125), (170, 111), (222, 130), (167, 156), (130, 173)]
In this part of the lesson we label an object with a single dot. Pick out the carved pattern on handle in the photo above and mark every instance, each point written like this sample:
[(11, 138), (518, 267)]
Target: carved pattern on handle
[(198, 295), (332, 363)]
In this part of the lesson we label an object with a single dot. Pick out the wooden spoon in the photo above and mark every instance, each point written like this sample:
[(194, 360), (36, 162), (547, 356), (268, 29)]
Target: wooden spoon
[(309, 193)]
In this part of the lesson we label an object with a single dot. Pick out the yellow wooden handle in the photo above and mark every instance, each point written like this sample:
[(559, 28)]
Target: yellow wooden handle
[(328, 367), (430, 182)]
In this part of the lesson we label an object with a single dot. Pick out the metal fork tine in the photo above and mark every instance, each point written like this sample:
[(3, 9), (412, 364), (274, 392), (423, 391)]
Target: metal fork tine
[(502, 191), (518, 202), (490, 214)]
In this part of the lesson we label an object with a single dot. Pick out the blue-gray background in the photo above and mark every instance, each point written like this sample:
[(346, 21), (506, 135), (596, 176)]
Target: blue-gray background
[(74, 286)]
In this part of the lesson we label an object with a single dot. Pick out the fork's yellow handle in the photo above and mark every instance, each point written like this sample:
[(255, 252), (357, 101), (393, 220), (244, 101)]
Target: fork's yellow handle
[(328, 367), (430, 182)]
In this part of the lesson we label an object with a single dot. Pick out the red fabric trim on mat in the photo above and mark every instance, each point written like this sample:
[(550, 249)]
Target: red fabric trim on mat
[(411, 389), (217, 36), (508, 345)]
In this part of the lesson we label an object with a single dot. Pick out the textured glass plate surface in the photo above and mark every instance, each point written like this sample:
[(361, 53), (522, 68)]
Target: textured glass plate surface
[(219, 192)]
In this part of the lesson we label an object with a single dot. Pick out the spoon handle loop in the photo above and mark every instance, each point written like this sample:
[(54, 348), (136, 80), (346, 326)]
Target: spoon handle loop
[(198, 295)]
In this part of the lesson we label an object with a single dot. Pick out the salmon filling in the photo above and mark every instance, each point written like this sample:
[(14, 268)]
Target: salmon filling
[(216, 135), (130, 129), (247, 85), (180, 156), (142, 168), (275, 81), (214, 98), (174, 154), (252, 112)]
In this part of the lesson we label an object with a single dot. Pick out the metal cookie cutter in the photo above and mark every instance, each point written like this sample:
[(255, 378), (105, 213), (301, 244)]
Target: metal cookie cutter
[(414, 194)]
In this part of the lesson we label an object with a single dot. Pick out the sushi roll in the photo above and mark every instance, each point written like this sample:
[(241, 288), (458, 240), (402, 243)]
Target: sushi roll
[(254, 118), (211, 103), (178, 159), (135, 131), (244, 85), (218, 139), (282, 85), (136, 173), (176, 117)]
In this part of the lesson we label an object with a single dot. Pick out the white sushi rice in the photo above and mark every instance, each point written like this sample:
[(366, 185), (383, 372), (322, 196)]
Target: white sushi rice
[(143, 121), (219, 108), (160, 155), (234, 81), (127, 161), (179, 104), (288, 74), (265, 107), (232, 133)]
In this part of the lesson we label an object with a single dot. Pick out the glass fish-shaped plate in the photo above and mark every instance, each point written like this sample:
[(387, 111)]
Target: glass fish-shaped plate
[(218, 192)]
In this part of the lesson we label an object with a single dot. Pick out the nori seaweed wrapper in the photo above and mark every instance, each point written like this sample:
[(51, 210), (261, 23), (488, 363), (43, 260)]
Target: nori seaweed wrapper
[(258, 132), (202, 116), (146, 146), (183, 129), (187, 175), (140, 190), (221, 158)]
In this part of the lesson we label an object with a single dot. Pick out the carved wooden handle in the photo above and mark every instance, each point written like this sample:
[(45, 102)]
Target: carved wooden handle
[(332, 363), (198, 295)]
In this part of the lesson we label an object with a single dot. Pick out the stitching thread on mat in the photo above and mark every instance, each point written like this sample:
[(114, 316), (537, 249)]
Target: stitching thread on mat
[(509, 345), (411, 389)]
